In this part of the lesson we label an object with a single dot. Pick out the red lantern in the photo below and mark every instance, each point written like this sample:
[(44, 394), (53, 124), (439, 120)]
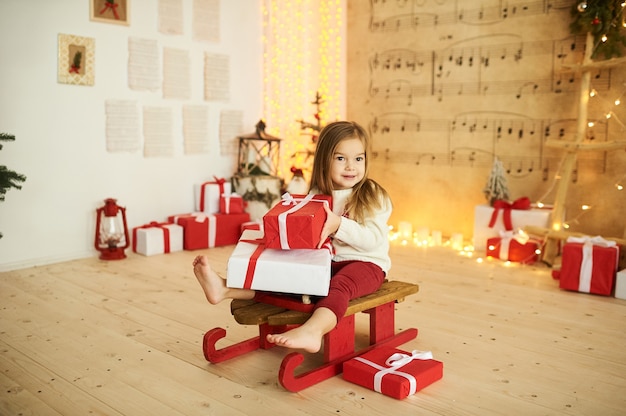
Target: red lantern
[(111, 231)]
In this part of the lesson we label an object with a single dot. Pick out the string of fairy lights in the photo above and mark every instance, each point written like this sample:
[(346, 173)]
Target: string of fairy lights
[(302, 56)]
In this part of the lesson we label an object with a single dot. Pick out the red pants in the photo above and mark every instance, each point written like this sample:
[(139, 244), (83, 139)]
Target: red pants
[(350, 279)]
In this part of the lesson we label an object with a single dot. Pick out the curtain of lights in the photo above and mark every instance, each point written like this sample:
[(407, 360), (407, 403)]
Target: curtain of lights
[(302, 56)]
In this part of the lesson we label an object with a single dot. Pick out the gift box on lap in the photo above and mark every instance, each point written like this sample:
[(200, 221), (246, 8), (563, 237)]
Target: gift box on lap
[(207, 195), (489, 221), (393, 372), (516, 247), (206, 231), (232, 204), (301, 271), (157, 238), (296, 222), (589, 265)]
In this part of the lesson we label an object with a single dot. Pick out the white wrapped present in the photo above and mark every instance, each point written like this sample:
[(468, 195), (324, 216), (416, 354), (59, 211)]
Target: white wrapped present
[(519, 218), (207, 195), (301, 271), (157, 238)]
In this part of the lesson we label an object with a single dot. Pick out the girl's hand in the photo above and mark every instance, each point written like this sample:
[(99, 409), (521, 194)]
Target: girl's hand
[(330, 226)]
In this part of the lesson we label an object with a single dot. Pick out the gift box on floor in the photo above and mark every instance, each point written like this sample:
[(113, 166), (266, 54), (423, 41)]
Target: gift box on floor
[(301, 271), (589, 265), (206, 231), (207, 195), (296, 222), (516, 247), (232, 204), (489, 221), (157, 238), (620, 284), (393, 372)]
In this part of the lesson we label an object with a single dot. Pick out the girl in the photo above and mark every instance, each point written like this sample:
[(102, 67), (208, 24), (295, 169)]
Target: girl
[(357, 225)]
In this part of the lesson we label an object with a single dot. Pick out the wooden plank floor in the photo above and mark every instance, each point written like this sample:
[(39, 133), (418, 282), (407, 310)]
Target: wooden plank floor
[(124, 338)]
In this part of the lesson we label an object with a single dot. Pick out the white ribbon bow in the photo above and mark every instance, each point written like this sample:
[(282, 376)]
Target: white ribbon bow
[(586, 265), (505, 241), (396, 361)]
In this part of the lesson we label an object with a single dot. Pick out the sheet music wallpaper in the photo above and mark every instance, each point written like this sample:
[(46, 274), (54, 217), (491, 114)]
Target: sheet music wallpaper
[(443, 86)]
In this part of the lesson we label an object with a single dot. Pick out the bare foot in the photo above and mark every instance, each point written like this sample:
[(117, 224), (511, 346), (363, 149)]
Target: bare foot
[(298, 338), (213, 285)]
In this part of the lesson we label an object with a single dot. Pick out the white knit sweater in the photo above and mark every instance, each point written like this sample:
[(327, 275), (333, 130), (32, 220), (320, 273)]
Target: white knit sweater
[(368, 241)]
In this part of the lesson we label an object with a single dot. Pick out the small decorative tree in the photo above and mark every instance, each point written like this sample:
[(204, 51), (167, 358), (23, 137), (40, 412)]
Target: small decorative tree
[(8, 178), (497, 186)]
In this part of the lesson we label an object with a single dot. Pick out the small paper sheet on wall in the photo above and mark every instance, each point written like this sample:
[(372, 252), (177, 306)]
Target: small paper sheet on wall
[(176, 73), (122, 126), (216, 77), (171, 17), (196, 129), (206, 20), (231, 124), (143, 65), (157, 132)]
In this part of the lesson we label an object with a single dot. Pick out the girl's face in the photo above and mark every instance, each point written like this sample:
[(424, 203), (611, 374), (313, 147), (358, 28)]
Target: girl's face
[(347, 167)]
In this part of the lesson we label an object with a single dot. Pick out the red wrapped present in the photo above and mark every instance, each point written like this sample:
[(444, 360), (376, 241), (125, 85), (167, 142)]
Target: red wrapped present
[(303, 271), (207, 195), (510, 246), (232, 204), (206, 231), (393, 372), (157, 238), (296, 222), (589, 265)]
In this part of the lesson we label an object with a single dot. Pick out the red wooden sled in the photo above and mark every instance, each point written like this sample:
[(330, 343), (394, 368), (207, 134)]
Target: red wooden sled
[(275, 314)]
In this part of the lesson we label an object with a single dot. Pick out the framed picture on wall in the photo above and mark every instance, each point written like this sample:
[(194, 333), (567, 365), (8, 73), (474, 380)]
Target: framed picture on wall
[(76, 60), (110, 11)]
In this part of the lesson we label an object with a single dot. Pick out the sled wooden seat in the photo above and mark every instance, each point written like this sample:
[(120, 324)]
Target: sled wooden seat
[(279, 313)]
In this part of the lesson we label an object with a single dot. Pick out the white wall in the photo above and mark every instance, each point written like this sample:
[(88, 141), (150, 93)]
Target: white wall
[(60, 129)]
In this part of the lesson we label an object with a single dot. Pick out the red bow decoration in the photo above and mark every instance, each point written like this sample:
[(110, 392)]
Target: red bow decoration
[(113, 7), (521, 203)]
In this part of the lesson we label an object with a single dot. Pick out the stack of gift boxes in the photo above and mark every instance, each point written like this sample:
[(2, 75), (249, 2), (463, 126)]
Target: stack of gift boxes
[(218, 220), (284, 256), (497, 230)]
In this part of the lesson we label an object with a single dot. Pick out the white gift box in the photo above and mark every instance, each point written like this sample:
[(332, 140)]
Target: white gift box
[(152, 240), (301, 271), (207, 195), (620, 284), (520, 218)]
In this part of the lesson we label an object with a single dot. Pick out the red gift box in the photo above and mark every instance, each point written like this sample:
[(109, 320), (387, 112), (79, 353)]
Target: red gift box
[(205, 231), (589, 265), (393, 372), (251, 225), (518, 248), (296, 222), (232, 204)]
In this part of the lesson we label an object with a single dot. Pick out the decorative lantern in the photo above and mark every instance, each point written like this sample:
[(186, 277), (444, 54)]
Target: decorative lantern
[(259, 153), (111, 231)]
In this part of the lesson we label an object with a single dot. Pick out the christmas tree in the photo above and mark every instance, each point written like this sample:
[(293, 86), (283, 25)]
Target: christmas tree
[(8, 178), (496, 187), (604, 19)]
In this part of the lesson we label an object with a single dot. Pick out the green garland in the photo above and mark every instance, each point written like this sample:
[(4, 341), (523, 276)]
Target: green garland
[(601, 18)]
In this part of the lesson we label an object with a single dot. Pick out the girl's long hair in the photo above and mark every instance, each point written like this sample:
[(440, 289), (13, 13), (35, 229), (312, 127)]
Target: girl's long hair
[(367, 195)]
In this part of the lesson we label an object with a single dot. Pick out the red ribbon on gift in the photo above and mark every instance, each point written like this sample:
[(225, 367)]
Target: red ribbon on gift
[(113, 7), (219, 182), (506, 207), (154, 224)]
